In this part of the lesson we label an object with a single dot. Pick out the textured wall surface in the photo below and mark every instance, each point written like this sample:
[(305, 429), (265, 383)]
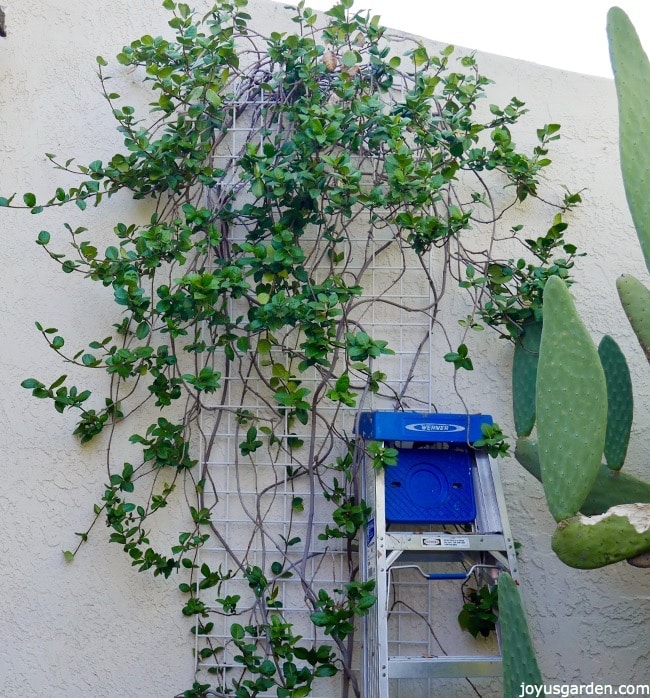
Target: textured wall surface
[(95, 628)]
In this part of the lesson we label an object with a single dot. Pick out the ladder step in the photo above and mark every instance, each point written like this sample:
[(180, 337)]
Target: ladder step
[(445, 541), (459, 667)]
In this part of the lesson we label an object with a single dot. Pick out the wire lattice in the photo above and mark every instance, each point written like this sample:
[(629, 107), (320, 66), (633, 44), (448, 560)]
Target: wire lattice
[(264, 506)]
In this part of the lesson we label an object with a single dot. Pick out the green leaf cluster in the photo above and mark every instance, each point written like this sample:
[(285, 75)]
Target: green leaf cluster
[(479, 613)]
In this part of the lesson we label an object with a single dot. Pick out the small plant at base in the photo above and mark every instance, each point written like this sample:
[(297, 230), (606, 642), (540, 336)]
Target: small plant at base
[(479, 612)]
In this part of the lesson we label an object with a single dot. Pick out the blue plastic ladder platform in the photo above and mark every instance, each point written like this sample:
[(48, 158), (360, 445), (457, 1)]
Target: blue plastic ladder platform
[(413, 426), (428, 485)]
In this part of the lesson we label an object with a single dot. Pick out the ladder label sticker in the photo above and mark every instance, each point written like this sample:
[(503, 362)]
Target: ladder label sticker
[(445, 542)]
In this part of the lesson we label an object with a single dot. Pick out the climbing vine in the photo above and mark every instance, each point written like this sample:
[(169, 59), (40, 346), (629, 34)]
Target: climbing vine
[(282, 173)]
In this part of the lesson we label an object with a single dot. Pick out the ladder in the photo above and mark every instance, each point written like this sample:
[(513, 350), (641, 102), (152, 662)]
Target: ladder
[(440, 483)]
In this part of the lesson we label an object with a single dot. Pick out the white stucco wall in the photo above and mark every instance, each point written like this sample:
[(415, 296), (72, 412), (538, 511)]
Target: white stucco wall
[(97, 628)]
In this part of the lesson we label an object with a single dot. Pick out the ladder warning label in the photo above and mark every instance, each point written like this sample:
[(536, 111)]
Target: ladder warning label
[(445, 542)]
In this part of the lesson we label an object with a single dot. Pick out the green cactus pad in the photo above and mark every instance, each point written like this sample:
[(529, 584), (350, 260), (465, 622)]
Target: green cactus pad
[(610, 488), (571, 404), (620, 403), (632, 78), (635, 299), (524, 377), (519, 661), (587, 542), (527, 453)]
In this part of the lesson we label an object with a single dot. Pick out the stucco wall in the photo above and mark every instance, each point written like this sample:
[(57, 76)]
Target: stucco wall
[(95, 627)]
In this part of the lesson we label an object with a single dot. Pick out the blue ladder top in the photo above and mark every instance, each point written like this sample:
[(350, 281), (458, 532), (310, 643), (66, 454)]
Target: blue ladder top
[(387, 425)]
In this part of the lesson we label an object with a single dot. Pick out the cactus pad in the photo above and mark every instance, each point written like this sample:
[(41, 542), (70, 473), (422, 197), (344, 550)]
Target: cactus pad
[(519, 661), (571, 404), (524, 377), (632, 78), (610, 488), (635, 299), (589, 542), (620, 406)]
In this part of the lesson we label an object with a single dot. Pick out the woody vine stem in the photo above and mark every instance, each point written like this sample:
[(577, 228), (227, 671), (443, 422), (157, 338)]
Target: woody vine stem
[(281, 170)]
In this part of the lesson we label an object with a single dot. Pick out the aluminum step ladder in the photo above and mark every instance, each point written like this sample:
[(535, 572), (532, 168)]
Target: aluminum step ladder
[(440, 482)]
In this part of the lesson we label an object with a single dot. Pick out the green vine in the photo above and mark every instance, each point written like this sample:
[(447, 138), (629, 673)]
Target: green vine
[(276, 171)]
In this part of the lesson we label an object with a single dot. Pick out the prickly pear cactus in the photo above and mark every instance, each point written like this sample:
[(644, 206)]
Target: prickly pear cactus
[(587, 542), (610, 488), (519, 661), (571, 404), (635, 299), (632, 79), (524, 377), (572, 390), (620, 402)]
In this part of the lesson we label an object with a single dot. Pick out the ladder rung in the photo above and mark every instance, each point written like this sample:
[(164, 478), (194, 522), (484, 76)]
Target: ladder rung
[(444, 667), (432, 542), (434, 576)]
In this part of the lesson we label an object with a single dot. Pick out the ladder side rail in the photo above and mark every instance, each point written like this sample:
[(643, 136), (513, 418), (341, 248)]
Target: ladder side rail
[(373, 555), (505, 522), (488, 510), (382, 589)]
